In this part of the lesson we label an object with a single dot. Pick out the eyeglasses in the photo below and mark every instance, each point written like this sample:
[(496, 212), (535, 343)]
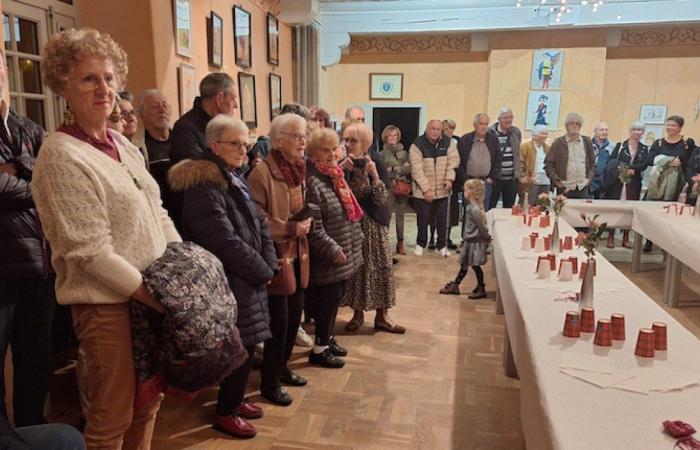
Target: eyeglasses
[(295, 136), (351, 140), (91, 82), (126, 114), (238, 145)]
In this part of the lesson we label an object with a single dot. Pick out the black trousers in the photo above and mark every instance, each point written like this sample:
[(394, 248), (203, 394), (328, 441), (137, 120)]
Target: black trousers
[(505, 188), (574, 193), (26, 319), (285, 317), (327, 299), (232, 388), (424, 210)]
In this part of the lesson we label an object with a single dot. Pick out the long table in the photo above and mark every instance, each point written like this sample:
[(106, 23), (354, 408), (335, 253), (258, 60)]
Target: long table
[(679, 237), (560, 412)]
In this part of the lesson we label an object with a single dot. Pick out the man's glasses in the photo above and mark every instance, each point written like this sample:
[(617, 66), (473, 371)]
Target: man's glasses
[(235, 144), (295, 136)]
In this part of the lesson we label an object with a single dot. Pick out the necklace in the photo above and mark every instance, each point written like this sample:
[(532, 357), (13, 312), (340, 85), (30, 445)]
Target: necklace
[(133, 178)]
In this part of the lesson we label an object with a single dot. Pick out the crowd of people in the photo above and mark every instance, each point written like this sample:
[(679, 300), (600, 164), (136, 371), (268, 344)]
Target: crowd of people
[(299, 221)]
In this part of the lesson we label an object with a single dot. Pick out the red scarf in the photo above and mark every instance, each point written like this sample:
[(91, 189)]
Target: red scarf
[(353, 211), (293, 173), (108, 147)]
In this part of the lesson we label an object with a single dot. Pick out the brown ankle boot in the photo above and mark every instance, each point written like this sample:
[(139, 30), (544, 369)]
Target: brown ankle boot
[(450, 288), (626, 239), (400, 249), (611, 239), (480, 292)]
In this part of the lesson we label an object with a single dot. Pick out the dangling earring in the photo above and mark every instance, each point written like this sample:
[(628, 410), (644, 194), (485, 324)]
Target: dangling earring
[(116, 115), (68, 118)]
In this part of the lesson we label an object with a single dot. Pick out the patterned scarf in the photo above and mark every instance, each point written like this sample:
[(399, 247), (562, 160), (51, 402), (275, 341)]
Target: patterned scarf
[(353, 211), (293, 173)]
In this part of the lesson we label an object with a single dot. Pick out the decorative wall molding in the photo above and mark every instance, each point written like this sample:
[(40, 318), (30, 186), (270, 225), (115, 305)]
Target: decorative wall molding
[(410, 43), (670, 36)]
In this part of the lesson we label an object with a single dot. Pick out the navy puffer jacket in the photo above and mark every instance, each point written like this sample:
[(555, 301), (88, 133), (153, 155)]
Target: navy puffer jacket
[(219, 215)]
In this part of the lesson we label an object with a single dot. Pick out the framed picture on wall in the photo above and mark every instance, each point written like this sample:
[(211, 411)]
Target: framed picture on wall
[(242, 37), (216, 40), (275, 95), (273, 40), (546, 69), (652, 133), (246, 92), (542, 109), (653, 114), (182, 11), (187, 87), (385, 86)]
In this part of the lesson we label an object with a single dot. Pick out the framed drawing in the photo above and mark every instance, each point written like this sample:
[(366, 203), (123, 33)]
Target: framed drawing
[(275, 95), (273, 39), (546, 69), (187, 87), (653, 114), (542, 109), (182, 10), (241, 37), (246, 92), (385, 86), (216, 40), (652, 133)]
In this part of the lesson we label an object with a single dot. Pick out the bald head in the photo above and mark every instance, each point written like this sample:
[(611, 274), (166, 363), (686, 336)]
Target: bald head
[(355, 113)]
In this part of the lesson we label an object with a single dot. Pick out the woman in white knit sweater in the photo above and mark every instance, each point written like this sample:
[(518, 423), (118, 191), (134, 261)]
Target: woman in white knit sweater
[(102, 214)]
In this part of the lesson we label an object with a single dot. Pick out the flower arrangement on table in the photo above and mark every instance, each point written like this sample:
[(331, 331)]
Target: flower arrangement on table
[(548, 203), (590, 240)]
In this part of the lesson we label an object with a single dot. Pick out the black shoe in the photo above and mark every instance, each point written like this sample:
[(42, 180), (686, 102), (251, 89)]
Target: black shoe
[(394, 261), (336, 349), (451, 245), (476, 289), (277, 395), (648, 245), (326, 359), (431, 245), (292, 379)]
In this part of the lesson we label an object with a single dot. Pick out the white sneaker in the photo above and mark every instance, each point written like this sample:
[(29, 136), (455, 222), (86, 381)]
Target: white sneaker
[(444, 252), (303, 339), (418, 251)]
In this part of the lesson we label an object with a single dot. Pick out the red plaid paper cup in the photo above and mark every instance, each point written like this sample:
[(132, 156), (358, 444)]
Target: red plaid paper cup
[(535, 210), (660, 336), (552, 262), (529, 220), (582, 272), (587, 320), (547, 241), (645, 343), (544, 221), (603, 333), (574, 262), (618, 327), (533, 240), (572, 324), (568, 243)]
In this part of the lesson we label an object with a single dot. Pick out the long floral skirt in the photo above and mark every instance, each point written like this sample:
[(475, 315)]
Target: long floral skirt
[(372, 286)]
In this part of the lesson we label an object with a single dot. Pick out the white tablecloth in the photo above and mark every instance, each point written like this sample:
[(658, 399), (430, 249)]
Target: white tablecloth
[(616, 213), (679, 236), (561, 412)]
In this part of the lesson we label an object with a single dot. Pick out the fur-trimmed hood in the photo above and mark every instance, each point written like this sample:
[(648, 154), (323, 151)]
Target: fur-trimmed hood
[(191, 173)]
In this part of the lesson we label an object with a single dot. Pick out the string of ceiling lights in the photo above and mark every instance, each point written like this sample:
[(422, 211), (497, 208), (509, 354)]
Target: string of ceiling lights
[(560, 7)]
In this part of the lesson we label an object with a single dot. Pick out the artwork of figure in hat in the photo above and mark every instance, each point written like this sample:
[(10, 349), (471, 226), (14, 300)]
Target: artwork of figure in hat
[(541, 111), (546, 68)]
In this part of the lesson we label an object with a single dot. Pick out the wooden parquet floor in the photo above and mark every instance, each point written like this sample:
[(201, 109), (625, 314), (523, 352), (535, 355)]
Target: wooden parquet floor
[(439, 386)]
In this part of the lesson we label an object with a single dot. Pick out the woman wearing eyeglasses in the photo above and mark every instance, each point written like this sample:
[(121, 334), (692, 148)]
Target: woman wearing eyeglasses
[(278, 187), (219, 215)]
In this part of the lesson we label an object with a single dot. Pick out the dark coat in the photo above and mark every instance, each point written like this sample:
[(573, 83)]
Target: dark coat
[(621, 154), (331, 232), (220, 216), (464, 146), (692, 169), (23, 249), (557, 159)]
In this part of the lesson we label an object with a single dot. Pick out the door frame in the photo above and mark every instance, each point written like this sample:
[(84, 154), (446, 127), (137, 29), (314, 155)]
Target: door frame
[(368, 108)]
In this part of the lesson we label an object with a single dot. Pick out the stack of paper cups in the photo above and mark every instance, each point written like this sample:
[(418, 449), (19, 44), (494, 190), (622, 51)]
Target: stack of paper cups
[(566, 270)]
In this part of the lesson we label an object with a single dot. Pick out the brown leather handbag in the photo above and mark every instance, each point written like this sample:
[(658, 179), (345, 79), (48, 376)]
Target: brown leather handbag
[(285, 282)]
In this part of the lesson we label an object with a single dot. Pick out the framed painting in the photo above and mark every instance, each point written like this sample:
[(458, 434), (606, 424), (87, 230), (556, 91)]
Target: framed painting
[(653, 114), (273, 40), (187, 87), (246, 92), (216, 40), (542, 109), (652, 133), (385, 86), (275, 95), (182, 11), (242, 37), (546, 69)]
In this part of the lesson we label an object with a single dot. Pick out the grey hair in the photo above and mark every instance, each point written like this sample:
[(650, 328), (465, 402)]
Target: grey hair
[(598, 125), (142, 99), (503, 111), (283, 121), (220, 124), (638, 126), (353, 108), (538, 129), (573, 116), (214, 83), (479, 117), (298, 109)]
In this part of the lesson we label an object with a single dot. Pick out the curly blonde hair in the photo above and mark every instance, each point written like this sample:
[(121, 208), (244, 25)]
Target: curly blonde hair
[(66, 49), (477, 188)]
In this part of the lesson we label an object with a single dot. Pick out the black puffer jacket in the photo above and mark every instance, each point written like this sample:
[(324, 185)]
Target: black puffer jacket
[(331, 232), (23, 249), (219, 215)]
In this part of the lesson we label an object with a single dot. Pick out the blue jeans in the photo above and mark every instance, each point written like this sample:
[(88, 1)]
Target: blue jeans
[(55, 436)]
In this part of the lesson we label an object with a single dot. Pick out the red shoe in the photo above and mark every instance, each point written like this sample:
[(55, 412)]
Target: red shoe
[(249, 410), (235, 426)]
